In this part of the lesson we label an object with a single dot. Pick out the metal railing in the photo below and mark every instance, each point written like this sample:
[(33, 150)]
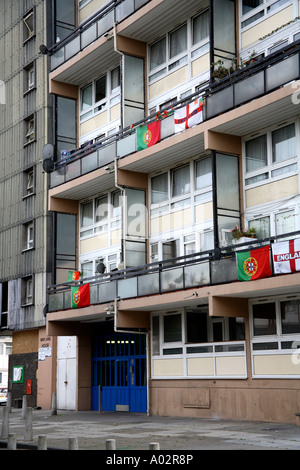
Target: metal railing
[(210, 267)]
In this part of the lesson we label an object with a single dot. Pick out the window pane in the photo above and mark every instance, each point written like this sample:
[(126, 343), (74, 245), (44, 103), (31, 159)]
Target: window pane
[(200, 27), (101, 209), (159, 188), (172, 328), (116, 203), (262, 227), (155, 336), (256, 153), (100, 89), (285, 222), (86, 97), (158, 54), (284, 143), (249, 5), (290, 316), (203, 173), (264, 319), (196, 326), (87, 269), (115, 78), (181, 181), (178, 41), (86, 214)]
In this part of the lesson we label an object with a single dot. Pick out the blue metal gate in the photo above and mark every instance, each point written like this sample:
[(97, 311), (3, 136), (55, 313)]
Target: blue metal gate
[(119, 373)]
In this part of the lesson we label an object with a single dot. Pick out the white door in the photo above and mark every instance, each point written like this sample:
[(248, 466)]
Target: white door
[(66, 372)]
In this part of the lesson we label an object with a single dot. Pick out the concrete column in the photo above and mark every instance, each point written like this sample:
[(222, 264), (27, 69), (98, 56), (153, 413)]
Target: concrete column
[(28, 425), (24, 406), (5, 423), (42, 443), (12, 442)]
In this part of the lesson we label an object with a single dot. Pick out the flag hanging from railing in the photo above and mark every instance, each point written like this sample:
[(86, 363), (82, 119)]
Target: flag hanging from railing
[(286, 256), (148, 135), (254, 264), (81, 296), (189, 116), (73, 276)]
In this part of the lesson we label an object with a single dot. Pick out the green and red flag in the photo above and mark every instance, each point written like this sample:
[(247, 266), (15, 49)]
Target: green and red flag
[(254, 264), (147, 135), (73, 276), (81, 296)]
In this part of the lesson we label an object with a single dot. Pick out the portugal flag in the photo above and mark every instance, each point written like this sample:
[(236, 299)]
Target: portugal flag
[(254, 264), (148, 135), (73, 276), (81, 296)]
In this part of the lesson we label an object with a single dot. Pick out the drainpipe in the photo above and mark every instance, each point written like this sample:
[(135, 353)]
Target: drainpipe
[(119, 330)]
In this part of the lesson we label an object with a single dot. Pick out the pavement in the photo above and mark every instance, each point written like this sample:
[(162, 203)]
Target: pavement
[(134, 432)]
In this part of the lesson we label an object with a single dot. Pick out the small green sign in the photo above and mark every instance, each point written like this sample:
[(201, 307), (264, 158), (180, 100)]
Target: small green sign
[(18, 374)]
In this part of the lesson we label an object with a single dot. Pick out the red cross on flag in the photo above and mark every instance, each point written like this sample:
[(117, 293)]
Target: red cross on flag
[(189, 116), (286, 256)]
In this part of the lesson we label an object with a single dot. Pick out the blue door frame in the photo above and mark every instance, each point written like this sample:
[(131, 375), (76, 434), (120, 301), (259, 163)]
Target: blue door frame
[(119, 373)]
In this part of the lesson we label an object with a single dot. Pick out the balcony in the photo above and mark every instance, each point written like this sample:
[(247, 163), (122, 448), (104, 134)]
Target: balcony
[(209, 268), (243, 86)]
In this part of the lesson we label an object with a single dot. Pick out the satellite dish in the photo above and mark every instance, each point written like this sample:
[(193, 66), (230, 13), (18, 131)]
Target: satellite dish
[(101, 268), (43, 49), (48, 165), (48, 151)]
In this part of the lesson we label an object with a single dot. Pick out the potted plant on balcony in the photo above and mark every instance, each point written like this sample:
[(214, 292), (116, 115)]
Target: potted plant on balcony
[(243, 236)]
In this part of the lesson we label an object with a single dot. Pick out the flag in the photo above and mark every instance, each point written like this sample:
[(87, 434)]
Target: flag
[(148, 135), (80, 296), (73, 276), (189, 116), (253, 264), (286, 256)]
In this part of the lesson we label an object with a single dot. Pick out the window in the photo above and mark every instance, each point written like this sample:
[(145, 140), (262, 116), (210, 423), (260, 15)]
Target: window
[(28, 236), (180, 181), (27, 290), (253, 10), (285, 222), (101, 94), (172, 328), (271, 155), (28, 178), (159, 188), (290, 317), (203, 173), (262, 226), (264, 319), (179, 46), (28, 26), (100, 214), (29, 77), (29, 130)]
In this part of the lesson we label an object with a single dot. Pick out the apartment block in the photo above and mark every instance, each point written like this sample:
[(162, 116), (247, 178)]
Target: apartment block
[(172, 177)]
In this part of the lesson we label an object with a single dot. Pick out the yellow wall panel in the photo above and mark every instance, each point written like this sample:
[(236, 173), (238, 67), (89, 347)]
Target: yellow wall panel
[(230, 366), (200, 65), (203, 212), (94, 123), (272, 191), (171, 221), (276, 365), (93, 243), (200, 366), (170, 81), (168, 367)]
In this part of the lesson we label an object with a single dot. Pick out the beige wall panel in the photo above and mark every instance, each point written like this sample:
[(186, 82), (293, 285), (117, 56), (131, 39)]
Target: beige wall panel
[(272, 191), (168, 367), (94, 243), (171, 221), (93, 123), (230, 366), (90, 8), (170, 81), (203, 212), (200, 65), (115, 112), (276, 365), (200, 366), (252, 35)]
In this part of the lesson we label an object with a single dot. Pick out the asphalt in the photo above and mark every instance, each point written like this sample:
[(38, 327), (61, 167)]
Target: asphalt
[(136, 432)]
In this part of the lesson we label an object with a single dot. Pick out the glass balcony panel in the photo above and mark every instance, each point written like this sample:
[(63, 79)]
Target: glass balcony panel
[(172, 279), (56, 302), (106, 23), (167, 127), (196, 275), (67, 299), (57, 178), (148, 284), (126, 146), (282, 72), (72, 170), (249, 88), (94, 294), (57, 58), (107, 154), (90, 162), (107, 291), (124, 9), (72, 47), (223, 271), (89, 35), (219, 102), (140, 3), (127, 288)]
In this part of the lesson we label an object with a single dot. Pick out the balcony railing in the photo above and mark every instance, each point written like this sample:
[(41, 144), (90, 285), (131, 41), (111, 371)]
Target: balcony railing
[(240, 87), (92, 29), (211, 267)]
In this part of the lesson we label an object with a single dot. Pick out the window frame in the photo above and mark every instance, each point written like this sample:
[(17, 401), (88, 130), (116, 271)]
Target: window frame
[(262, 8), (30, 130), (28, 33), (291, 163), (27, 290), (113, 96)]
